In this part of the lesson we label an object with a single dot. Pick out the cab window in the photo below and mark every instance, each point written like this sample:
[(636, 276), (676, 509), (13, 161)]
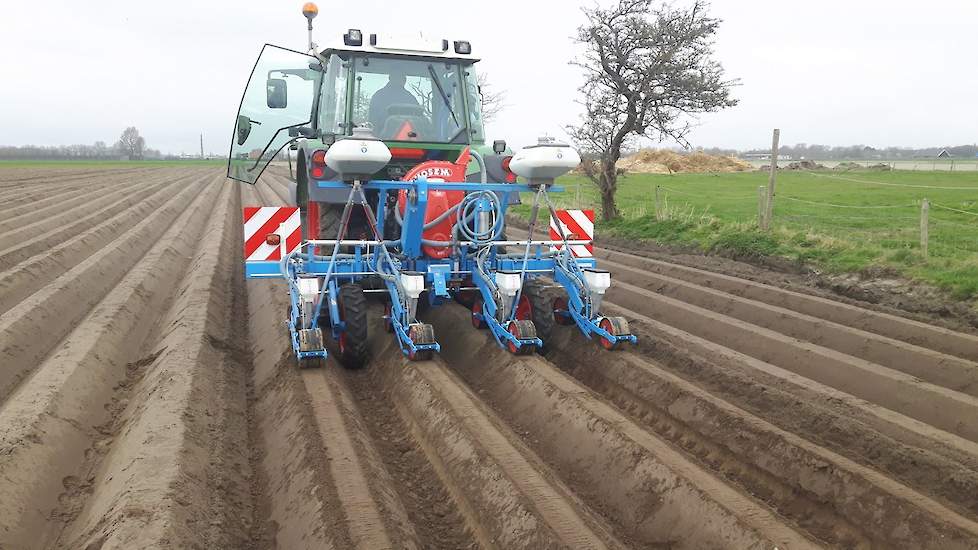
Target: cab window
[(473, 101), (332, 102), (410, 100)]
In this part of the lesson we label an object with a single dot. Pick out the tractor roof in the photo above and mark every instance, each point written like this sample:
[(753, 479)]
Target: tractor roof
[(416, 45)]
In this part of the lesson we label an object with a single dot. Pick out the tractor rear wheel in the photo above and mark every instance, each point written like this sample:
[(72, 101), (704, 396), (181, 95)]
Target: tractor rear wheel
[(560, 307), (541, 300), (354, 351), (359, 228), (330, 215)]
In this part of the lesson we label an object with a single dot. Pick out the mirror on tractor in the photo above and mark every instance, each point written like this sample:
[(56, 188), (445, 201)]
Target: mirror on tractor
[(244, 128), (277, 92)]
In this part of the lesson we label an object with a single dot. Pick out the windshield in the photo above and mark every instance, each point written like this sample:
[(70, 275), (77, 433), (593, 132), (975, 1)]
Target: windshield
[(410, 100)]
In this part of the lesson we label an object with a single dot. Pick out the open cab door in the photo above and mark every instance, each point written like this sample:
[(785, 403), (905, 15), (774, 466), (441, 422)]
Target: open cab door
[(279, 96)]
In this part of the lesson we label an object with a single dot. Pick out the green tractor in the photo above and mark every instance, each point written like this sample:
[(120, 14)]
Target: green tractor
[(419, 96)]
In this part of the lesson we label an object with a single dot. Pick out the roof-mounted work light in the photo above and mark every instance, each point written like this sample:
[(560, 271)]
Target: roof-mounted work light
[(353, 37), (463, 47)]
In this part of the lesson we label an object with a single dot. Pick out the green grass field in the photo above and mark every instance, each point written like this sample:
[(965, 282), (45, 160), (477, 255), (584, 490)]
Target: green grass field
[(837, 222)]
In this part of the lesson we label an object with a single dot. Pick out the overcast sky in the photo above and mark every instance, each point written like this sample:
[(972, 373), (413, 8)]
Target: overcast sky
[(834, 72)]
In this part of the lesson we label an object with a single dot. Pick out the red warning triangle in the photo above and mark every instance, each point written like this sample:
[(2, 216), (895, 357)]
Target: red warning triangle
[(404, 134)]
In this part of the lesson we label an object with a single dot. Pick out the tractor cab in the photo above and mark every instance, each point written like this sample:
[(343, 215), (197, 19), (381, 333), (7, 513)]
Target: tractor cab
[(419, 96)]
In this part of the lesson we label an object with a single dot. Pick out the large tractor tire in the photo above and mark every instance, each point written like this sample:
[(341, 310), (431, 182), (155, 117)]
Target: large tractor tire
[(329, 222), (354, 351), (329, 226), (540, 298)]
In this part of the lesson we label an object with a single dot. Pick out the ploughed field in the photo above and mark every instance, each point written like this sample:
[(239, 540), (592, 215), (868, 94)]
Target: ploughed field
[(148, 399)]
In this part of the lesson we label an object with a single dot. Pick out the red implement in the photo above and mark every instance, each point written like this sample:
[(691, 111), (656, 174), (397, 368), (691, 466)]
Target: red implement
[(439, 201)]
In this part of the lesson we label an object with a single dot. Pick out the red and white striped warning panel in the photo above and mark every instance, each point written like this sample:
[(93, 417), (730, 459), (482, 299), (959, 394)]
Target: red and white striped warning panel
[(578, 225), (260, 221)]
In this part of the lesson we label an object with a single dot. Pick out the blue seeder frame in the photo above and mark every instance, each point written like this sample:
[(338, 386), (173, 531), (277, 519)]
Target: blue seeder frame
[(437, 272)]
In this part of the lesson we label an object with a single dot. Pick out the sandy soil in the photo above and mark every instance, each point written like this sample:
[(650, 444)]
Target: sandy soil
[(651, 161), (148, 400)]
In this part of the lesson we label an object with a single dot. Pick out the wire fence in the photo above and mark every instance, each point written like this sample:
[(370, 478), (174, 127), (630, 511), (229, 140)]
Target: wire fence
[(945, 226)]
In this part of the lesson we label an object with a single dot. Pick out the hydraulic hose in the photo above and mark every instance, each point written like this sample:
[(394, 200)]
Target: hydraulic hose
[(467, 211), (483, 177)]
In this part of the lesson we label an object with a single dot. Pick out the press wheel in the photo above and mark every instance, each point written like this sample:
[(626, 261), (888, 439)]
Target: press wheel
[(617, 326), (523, 330)]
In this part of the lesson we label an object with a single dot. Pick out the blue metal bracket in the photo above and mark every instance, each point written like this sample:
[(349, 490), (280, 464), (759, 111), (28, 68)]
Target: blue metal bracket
[(414, 213), (439, 273)]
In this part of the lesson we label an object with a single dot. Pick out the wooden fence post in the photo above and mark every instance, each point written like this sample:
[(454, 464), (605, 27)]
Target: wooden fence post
[(761, 205), (658, 204), (769, 203), (924, 226)]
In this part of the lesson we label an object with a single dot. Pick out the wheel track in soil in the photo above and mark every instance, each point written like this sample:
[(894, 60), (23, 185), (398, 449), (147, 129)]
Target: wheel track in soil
[(163, 408)]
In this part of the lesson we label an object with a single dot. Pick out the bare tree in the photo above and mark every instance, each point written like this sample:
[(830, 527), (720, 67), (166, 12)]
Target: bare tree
[(649, 70), (493, 102), (131, 143)]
